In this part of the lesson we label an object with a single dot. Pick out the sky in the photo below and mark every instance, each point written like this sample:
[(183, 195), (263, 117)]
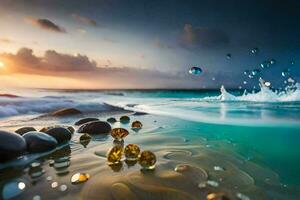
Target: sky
[(108, 44)]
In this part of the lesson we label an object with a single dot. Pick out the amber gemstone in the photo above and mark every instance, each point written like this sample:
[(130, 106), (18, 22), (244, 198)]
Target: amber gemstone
[(147, 160), (79, 178), (217, 196), (85, 139), (132, 152), (136, 125), (124, 119), (119, 133), (114, 155)]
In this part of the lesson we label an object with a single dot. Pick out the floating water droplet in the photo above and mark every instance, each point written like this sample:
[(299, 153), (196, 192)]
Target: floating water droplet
[(213, 78), (195, 70), (246, 72), (250, 76), (147, 160), (132, 151), (240, 87), (267, 83), (36, 197), (255, 72), (244, 82), (228, 56), (285, 72), (272, 61), (292, 62), (54, 184), (242, 196), (254, 50)]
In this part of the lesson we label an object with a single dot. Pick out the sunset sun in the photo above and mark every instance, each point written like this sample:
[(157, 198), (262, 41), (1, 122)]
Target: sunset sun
[(2, 64)]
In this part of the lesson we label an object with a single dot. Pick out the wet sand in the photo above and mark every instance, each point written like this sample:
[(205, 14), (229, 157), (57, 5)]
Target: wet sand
[(185, 168)]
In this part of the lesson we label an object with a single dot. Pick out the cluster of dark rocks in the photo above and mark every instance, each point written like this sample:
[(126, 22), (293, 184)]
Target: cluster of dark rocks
[(29, 140)]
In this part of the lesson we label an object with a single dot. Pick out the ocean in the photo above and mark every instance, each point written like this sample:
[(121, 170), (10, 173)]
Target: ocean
[(260, 127)]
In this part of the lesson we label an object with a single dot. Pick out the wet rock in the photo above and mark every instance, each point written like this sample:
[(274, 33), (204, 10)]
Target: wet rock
[(111, 120), (24, 130), (96, 127), (12, 145), (124, 119), (71, 129), (85, 120), (39, 142), (65, 112), (139, 113), (85, 139), (60, 134)]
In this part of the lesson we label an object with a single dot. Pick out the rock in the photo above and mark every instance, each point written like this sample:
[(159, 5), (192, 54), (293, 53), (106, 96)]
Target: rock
[(12, 145), (85, 120), (65, 112), (95, 127), (111, 120), (124, 119), (60, 134), (71, 129), (39, 142), (24, 130)]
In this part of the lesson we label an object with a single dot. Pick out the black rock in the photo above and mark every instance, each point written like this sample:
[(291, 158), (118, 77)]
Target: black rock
[(96, 127), (12, 145), (65, 112), (124, 119), (71, 129), (85, 120), (24, 130), (111, 120), (39, 142), (60, 134)]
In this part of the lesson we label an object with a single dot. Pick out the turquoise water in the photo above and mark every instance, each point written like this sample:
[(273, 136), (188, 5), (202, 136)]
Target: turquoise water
[(263, 127)]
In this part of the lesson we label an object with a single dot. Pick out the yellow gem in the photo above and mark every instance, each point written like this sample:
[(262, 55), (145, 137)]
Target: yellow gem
[(136, 125), (217, 196), (114, 155), (119, 133), (124, 119), (132, 152), (147, 160), (79, 178)]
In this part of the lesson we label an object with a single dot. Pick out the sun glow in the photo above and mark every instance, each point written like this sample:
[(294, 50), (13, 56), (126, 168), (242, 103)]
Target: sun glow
[(2, 65)]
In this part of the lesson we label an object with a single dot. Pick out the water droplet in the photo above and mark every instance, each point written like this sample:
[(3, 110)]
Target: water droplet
[(36, 197), (240, 87), (218, 168), (254, 50), (242, 196), (213, 78), (228, 56), (246, 72), (195, 70), (63, 187), (79, 178), (255, 72), (290, 80), (272, 61), (119, 133), (147, 160), (21, 185), (212, 183), (292, 62), (267, 83), (115, 154), (132, 151), (244, 82), (54, 184), (250, 76), (285, 72)]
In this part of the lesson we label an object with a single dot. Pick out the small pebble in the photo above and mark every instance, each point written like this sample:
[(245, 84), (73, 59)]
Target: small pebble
[(54, 184), (36, 197), (63, 187)]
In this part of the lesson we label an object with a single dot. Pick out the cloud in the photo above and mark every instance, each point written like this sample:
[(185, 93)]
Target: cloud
[(47, 25), (6, 41), (84, 20), (203, 37)]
